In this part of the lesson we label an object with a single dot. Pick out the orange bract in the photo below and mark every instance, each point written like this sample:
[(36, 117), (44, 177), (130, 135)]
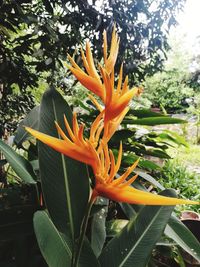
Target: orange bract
[(120, 189), (94, 150), (75, 147)]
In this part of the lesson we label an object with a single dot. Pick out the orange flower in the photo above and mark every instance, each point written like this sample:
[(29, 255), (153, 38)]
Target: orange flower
[(96, 154), (89, 79), (94, 150), (114, 47), (76, 146), (117, 100), (119, 189)]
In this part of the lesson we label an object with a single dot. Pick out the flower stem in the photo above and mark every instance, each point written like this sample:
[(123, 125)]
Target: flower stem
[(83, 229)]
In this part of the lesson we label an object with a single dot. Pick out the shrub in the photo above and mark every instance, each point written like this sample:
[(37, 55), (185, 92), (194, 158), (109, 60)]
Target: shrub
[(168, 89), (175, 175)]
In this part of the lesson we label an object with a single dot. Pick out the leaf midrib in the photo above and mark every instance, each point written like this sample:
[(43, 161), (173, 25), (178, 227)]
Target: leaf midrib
[(146, 230), (68, 199)]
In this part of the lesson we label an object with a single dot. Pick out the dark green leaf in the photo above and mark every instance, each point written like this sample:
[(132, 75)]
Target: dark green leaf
[(65, 182), (2, 162), (32, 121), (98, 229), (133, 245), (48, 6), (55, 249), (144, 113), (20, 165), (143, 163), (151, 121), (87, 257), (123, 135), (177, 231)]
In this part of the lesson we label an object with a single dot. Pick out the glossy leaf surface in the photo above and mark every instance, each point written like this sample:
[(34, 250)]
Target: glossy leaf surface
[(55, 249), (65, 182), (133, 245), (20, 165)]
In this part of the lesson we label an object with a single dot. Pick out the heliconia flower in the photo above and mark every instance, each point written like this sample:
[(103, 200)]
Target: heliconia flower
[(112, 125), (110, 60), (120, 189), (89, 79), (117, 100), (94, 150), (102, 161), (76, 146)]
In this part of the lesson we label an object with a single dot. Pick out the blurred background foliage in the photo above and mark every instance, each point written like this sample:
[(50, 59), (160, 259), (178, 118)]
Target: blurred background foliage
[(35, 37)]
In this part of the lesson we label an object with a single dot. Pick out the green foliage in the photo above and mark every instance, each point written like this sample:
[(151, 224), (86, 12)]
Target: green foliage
[(133, 245), (138, 140), (61, 194), (35, 37), (50, 241), (63, 229), (175, 175), (168, 89), (20, 165)]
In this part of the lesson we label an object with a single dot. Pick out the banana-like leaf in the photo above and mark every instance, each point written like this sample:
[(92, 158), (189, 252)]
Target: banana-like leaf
[(132, 247), (98, 229), (177, 231), (144, 113), (57, 248), (87, 257), (150, 179), (65, 182), (32, 121), (151, 121), (54, 247), (130, 158), (20, 165)]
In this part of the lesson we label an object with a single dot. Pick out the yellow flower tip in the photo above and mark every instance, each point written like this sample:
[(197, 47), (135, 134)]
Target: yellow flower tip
[(129, 194)]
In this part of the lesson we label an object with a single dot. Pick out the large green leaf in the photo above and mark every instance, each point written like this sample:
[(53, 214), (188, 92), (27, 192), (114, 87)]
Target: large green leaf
[(174, 137), (87, 257), (177, 231), (144, 113), (20, 165), (98, 229), (31, 120), (130, 158), (143, 150), (65, 182), (150, 179), (55, 249), (133, 245), (153, 121)]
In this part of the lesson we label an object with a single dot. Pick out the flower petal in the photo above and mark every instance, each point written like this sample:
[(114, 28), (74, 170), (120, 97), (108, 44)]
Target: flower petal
[(91, 83), (81, 153), (134, 196)]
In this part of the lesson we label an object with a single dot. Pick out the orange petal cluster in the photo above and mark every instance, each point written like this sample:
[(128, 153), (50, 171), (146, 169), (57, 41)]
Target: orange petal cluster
[(94, 151)]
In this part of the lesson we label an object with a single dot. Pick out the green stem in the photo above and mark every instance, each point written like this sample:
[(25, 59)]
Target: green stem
[(83, 231)]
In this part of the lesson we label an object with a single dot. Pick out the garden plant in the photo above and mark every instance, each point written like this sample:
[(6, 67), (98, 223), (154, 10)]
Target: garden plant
[(71, 231)]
